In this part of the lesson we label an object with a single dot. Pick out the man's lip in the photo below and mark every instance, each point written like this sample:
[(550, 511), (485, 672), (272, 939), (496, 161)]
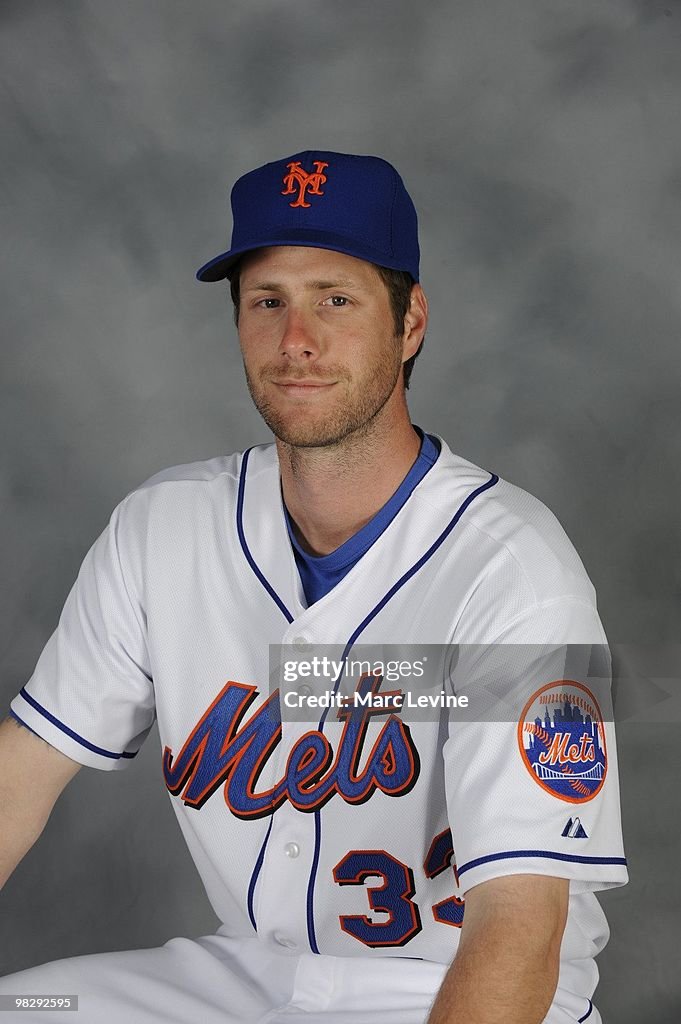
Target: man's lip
[(304, 383)]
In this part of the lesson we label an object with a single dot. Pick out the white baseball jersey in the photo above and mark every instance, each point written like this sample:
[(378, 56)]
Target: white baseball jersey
[(357, 835)]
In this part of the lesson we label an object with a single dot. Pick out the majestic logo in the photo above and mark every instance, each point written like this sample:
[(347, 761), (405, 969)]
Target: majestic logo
[(562, 741), (223, 750), (574, 830), (304, 182)]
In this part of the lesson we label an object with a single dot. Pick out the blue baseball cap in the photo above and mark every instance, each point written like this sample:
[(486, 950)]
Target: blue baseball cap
[(352, 204)]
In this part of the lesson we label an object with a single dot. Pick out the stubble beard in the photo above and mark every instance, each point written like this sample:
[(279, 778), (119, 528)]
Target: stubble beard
[(344, 419)]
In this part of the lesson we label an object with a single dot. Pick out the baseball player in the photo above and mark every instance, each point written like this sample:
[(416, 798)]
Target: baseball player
[(368, 862)]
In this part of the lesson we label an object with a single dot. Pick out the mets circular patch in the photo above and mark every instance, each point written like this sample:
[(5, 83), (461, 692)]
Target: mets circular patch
[(562, 741)]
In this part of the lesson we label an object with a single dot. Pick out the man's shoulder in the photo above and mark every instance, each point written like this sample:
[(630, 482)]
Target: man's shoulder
[(518, 528), (499, 506), (182, 490), (207, 470)]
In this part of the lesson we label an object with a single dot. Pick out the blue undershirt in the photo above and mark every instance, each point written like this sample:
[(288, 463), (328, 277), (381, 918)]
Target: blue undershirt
[(320, 573)]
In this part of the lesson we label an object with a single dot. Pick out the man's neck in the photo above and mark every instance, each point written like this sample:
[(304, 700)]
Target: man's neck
[(331, 493)]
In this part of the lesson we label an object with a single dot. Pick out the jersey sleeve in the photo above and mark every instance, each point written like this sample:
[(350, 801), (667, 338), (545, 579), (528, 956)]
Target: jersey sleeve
[(531, 768), (91, 694)]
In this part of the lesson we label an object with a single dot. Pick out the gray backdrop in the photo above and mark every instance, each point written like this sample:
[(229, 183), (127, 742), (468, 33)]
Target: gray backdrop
[(541, 143)]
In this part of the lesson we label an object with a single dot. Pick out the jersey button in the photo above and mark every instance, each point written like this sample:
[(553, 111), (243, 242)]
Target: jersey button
[(304, 690), (292, 850), (301, 642), (283, 940)]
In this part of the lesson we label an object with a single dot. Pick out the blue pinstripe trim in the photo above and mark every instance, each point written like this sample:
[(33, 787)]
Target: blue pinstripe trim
[(244, 546), (587, 1014), (289, 618), (254, 876), (518, 854), (69, 732), (494, 479), (311, 933)]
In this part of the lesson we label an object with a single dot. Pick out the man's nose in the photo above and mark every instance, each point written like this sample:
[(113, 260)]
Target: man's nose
[(299, 337)]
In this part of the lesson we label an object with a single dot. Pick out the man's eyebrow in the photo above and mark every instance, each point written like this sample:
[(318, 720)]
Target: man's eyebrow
[(336, 282), (317, 285)]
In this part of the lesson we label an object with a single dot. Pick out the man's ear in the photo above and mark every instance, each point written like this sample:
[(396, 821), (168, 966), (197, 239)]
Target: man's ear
[(415, 321)]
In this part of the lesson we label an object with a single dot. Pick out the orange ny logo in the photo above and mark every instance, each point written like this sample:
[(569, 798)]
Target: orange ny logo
[(299, 178)]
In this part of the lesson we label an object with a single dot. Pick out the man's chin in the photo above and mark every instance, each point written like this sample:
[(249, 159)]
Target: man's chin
[(321, 434), (309, 438), (316, 428)]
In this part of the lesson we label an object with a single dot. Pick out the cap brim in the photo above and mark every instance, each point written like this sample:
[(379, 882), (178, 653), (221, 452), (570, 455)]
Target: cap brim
[(218, 268)]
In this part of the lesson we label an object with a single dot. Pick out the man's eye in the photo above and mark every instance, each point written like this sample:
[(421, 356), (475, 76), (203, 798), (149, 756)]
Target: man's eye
[(337, 300), (269, 303)]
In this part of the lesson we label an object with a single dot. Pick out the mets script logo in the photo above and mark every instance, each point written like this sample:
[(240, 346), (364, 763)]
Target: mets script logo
[(299, 179), (223, 750), (562, 741)]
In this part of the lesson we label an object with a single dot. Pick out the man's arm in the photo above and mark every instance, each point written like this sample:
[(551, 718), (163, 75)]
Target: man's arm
[(506, 967), (32, 775)]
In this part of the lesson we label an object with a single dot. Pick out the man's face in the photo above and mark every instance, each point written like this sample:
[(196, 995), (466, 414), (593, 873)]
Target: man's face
[(317, 337)]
